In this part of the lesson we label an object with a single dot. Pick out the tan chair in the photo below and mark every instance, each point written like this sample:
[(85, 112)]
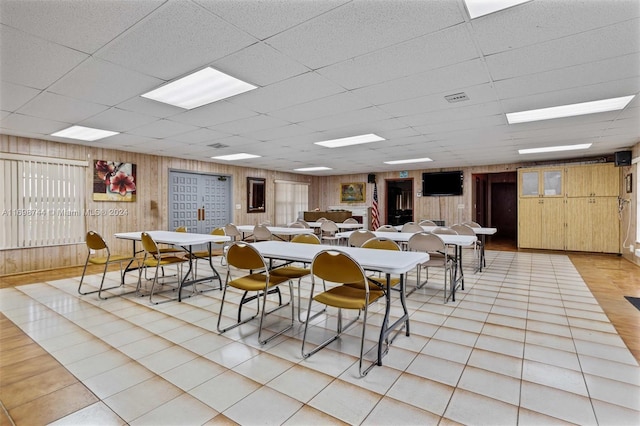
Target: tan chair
[(153, 259), (411, 227), (328, 231), (340, 268), (296, 225), (473, 224), (476, 247), (293, 272), (304, 223), (232, 232), (357, 238), (172, 250), (217, 249), (438, 258), (386, 228), (381, 243), (244, 257), (480, 242), (427, 222), (261, 233), (444, 230), (350, 220), (98, 253)]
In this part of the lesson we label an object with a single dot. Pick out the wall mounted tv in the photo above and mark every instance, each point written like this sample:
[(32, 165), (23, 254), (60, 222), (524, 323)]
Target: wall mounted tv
[(442, 183)]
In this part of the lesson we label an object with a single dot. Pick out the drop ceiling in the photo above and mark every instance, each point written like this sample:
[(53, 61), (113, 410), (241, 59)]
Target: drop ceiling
[(325, 69)]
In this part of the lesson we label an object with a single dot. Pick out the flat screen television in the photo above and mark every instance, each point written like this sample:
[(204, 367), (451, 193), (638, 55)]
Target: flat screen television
[(442, 183)]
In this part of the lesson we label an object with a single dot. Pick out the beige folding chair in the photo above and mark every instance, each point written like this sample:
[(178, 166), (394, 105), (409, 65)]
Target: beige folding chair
[(438, 258), (358, 237), (232, 232), (304, 223), (411, 227), (296, 225), (98, 253), (427, 222), (386, 228), (328, 231), (153, 259), (246, 258), (476, 247), (350, 220), (261, 233), (340, 268)]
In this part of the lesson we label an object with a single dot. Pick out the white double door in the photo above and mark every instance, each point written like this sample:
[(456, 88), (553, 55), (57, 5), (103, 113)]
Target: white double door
[(200, 202)]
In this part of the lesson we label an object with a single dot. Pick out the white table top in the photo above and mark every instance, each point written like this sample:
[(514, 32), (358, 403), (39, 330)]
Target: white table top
[(175, 238), (279, 230), (386, 261), (478, 231), (403, 237), (340, 225)]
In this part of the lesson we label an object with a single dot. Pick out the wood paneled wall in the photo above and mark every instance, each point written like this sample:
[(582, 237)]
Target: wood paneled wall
[(148, 212), (629, 216)]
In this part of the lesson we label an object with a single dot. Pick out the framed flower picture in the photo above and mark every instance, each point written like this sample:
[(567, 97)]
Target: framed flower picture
[(352, 192), (114, 181)]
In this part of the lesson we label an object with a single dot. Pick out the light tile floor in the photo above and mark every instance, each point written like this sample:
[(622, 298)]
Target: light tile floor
[(524, 343)]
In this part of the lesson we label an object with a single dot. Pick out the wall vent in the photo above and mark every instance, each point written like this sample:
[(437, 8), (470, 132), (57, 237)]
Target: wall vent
[(218, 145), (457, 97)]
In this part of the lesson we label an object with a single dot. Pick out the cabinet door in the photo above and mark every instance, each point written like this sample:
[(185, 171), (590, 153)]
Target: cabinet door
[(552, 182), (606, 225), (605, 180), (529, 183), (553, 224), (579, 224), (529, 223), (579, 181)]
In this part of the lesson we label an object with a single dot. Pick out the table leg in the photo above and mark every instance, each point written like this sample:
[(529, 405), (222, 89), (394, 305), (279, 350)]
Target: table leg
[(386, 329)]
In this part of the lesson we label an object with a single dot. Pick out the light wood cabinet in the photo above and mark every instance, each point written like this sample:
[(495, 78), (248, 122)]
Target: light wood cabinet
[(541, 223), (597, 180), (571, 208)]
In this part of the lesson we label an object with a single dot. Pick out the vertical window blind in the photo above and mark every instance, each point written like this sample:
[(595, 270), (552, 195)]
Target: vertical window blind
[(42, 201), (291, 198)]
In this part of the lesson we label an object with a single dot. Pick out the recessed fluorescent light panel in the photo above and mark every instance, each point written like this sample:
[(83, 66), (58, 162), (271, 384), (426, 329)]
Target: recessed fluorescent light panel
[(554, 148), (572, 110), (411, 160), (312, 169), (353, 140), (479, 8), (200, 88), (232, 157), (84, 133)]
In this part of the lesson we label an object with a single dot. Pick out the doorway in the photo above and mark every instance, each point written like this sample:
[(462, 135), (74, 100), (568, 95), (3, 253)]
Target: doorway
[(201, 202), (399, 201), (496, 205)]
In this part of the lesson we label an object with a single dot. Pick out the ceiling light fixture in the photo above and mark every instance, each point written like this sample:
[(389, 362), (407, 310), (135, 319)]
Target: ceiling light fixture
[(411, 160), (571, 110), (312, 169), (200, 88), (479, 8), (84, 133), (353, 140), (554, 148), (232, 157)]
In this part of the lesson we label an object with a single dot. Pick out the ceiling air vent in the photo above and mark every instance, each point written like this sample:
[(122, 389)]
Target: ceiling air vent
[(218, 145), (457, 97)]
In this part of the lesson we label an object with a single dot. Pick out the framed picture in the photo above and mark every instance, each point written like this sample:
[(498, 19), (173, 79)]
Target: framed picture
[(114, 181), (628, 183), (353, 192)]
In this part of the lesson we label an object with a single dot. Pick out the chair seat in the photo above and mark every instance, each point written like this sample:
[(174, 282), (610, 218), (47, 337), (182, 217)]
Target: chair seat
[(205, 253), (290, 272), (256, 282), (167, 260), (347, 297), (114, 258)]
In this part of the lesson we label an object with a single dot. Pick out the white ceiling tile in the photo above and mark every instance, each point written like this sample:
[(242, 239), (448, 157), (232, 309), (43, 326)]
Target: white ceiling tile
[(82, 25), (61, 108), (361, 27), (182, 31), (200, 137), (20, 53), (118, 120), (14, 95), (251, 124), (24, 123), (103, 82), (213, 114), (278, 133), (162, 129), (366, 115), (323, 107)]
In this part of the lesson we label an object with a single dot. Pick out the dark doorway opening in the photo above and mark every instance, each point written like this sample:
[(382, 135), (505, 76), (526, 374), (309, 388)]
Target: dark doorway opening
[(399, 201), (496, 205)]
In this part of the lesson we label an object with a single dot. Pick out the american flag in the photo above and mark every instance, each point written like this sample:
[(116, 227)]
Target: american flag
[(375, 219)]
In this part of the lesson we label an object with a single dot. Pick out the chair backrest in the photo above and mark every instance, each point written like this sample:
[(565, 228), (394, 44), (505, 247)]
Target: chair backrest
[(427, 222), (329, 227), (296, 225), (426, 242), (306, 239), (218, 231), (338, 267), (357, 238), (381, 243), (95, 241), (181, 229), (411, 227), (244, 256), (265, 223), (261, 232), (463, 229), (232, 230), (350, 220), (473, 224), (304, 223), (386, 228), (444, 230), (321, 219), (149, 244)]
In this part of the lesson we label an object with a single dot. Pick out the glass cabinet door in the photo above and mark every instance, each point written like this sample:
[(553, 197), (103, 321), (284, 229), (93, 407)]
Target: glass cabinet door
[(530, 184), (552, 183)]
